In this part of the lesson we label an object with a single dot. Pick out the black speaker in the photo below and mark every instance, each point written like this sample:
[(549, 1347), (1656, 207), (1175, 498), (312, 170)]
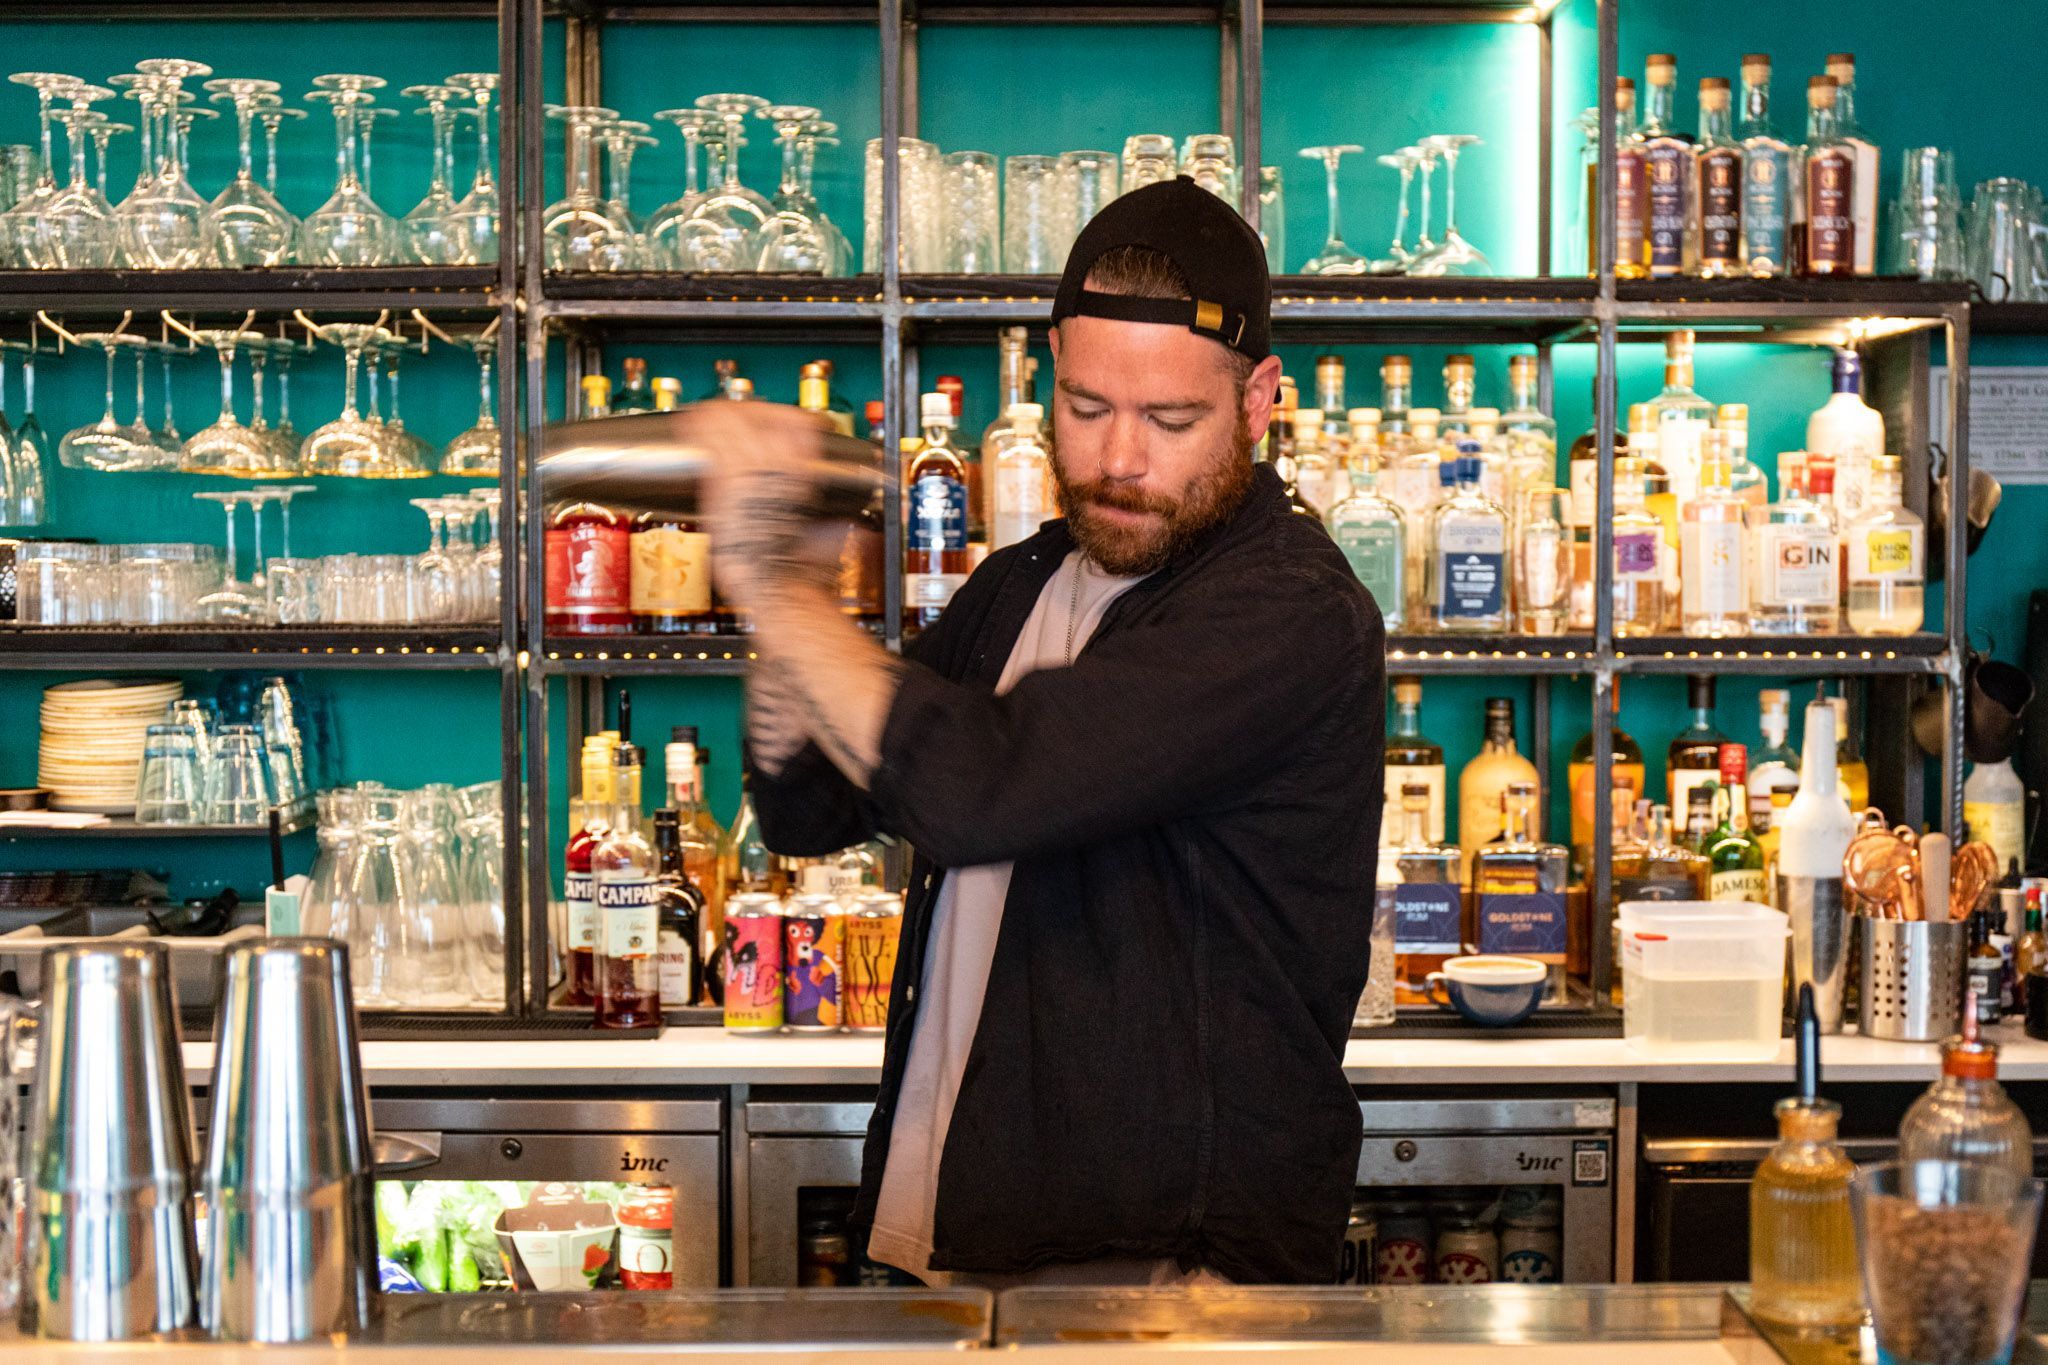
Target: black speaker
[(2031, 760)]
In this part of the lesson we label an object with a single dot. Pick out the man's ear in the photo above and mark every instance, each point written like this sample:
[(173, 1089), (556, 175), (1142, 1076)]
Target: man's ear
[(1261, 391)]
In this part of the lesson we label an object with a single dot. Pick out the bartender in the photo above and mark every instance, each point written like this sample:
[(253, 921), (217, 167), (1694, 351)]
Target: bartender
[(1139, 760)]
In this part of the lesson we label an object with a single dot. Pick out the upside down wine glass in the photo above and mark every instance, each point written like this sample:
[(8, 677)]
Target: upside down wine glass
[(432, 232), (476, 214), (246, 225), (1454, 255), (1335, 258), (349, 229), (579, 230), (24, 220), (1397, 257), (107, 444), (78, 229), (664, 229), (792, 240), (475, 454), (163, 218), (348, 445), (722, 232)]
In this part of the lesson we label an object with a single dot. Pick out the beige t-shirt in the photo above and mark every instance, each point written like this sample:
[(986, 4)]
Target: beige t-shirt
[(965, 921)]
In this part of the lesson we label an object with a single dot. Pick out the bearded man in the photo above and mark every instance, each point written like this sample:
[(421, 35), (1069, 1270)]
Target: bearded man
[(1139, 761)]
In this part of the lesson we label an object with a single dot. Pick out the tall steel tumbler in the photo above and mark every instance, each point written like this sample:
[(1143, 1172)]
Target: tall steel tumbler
[(110, 1249), (291, 1247)]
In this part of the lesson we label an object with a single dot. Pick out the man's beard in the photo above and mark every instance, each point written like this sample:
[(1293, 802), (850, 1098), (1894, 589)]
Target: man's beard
[(1123, 548)]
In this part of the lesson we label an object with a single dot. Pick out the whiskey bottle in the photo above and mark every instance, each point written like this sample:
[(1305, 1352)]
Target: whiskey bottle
[(1625, 778), (1518, 890), (1720, 184), (1483, 780), (814, 394), (626, 880), (1661, 869), (679, 919), (1669, 174), (1830, 185), (1769, 177), (1412, 759), (1372, 532), (1796, 590), (1886, 549), (1863, 204), (1694, 756), (1735, 861), (936, 559), (1428, 898), (1631, 197)]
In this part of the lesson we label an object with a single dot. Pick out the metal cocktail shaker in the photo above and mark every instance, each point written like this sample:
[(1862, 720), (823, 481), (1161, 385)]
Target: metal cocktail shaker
[(110, 1252), (291, 1250)]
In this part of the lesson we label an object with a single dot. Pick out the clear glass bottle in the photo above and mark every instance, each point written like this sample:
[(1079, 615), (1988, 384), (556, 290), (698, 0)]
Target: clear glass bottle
[(1773, 775), (1638, 561), (1681, 419), (1966, 1114), (1363, 452), (1397, 378), (1542, 561), (1529, 433), (1428, 897), (1468, 540), (1331, 402), (1487, 776), (1461, 383), (1830, 172), (1745, 475), (1318, 478), (935, 550), (634, 395), (627, 881), (1850, 431), (1518, 890), (1796, 590), (1372, 531), (1012, 376), (745, 864), (1021, 495), (1714, 553), (1863, 203), (1631, 190), (1886, 549), (1412, 757), (1719, 162), (1769, 178), (1670, 175), (698, 830), (1803, 1269)]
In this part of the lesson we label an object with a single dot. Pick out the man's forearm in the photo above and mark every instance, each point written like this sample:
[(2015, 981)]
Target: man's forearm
[(828, 681)]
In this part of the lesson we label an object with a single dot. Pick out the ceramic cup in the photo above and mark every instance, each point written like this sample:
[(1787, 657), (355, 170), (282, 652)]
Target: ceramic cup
[(1491, 990)]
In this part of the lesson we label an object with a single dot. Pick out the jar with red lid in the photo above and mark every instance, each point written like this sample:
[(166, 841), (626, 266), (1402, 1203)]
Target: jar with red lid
[(647, 1238)]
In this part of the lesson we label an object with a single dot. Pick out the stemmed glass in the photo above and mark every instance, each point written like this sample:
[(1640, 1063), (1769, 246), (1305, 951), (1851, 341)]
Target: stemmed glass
[(813, 135), (272, 118), (475, 453), (104, 131), (1425, 246), (1454, 255), (246, 225), (623, 137), (165, 433), (349, 229), (1335, 258), (107, 444), (723, 231), (151, 452), (477, 212), (286, 436), (408, 451), (163, 217), (432, 235), (1397, 257), (29, 452), (77, 227), (663, 234), (792, 239), (348, 445), (227, 447), (580, 230), (490, 560), (232, 603), (437, 575), (25, 218)]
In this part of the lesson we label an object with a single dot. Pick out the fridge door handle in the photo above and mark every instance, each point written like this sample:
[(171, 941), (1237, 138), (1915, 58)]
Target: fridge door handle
[(397, 1152)]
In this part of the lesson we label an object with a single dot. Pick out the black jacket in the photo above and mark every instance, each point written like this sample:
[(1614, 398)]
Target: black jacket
[(1193, 809)]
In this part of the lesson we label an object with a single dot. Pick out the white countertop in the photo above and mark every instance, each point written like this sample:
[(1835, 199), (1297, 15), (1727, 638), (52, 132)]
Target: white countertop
[(1392, 1353), (706, 1056)]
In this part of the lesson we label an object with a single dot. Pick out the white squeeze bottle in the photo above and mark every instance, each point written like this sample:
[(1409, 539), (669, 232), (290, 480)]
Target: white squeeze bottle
[(1814, 833)]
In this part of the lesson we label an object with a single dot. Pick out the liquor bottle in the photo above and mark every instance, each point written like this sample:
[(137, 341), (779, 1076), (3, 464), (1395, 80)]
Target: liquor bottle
[(1735, 861), (635, 396), (1330, 401), (1694, 756), (1372, 531), (740, 389), (1664, 869), (697, 831), (1802, 1238), (1397, 374), (1769, 177), (1774, 776), (744, 862), (1639, 607), (1669, 174), (1317, 477), (1625, 775), (1851, 771), (875, 414), (1631, 191), (1364, 449), (1699, 818), (1796, 590), (1720, 184), (1713, 553), (1461, 382), (935, 551), (1468, 539), (1012, 353), (1830, 185), (1412, 759), (814, 394), (679, 919), (1021, 496), (668, 581), (627, 887), (2030, 954), (1428, 896), (1542, 560), (1994, 808), (1529, 433), (724, 372), (1851, 431), (1681, 419), (1584, 459), (1886, 566), (1813, 834), (597, 396), (1518, 890), (1966, 1114), (579, 893), (863, 562), (1486, 777), (1279, 442), (1983, 969), (1863, 205), (668, 393), (1745, 476)]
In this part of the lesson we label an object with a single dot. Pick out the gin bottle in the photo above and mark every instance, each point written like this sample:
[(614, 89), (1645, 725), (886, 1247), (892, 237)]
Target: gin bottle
[(1886, 566), (1330, 400), (1372, 532), (1671, 176), (1713, 555), (1745, 476), (1638, 570), (1769, 177), (1797, 589), (1468, 537), (1720, 184), (1528, 434)]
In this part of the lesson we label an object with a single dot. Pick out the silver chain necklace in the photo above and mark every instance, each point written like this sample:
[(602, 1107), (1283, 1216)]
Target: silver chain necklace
[(1073, 611)]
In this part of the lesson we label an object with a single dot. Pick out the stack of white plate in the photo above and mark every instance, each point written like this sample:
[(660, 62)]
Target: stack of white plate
[(93, 732)]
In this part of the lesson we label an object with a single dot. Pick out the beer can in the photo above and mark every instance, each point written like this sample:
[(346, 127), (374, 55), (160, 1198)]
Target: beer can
[(872, 932), (813, 947), (753, 963), (1361, 1247)]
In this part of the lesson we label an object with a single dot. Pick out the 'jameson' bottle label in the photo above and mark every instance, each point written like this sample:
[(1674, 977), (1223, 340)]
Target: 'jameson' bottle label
[(1428, 918), (1374, 553), (1524, 923), (1629, 208), (1472, 557), (1797, 564), (1886, 554), (579, 891), (1739, 884), (628, 917), (1669, 168), (1721, 207), (1766, 208), (1830, 209)]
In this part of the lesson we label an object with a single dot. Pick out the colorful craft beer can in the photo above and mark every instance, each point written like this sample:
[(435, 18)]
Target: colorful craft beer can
[(753, 963)]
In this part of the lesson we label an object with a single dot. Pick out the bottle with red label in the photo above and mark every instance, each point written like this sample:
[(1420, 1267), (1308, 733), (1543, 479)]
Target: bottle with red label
[(588, 553)]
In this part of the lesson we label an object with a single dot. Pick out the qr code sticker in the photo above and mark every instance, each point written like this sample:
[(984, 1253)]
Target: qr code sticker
[(1589, 1163)]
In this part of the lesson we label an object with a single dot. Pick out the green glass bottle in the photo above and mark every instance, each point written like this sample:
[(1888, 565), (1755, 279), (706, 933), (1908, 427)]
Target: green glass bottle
[(1735, 860)]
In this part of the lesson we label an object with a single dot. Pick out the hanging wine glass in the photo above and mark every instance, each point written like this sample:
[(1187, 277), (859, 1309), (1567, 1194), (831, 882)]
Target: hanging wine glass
[(348, 445), (246, 225), (791, 240), (1397, 257), (663, 234), (579, 230), (1335, 258), (1454, 255), (407, 449), (24, 221), (722, 232), (150, 453), (10, 500), (226, 446), (432, 234), (476, 214), (78, 229), (475, 454), (286, 438), (349, 229), (32, 476), (106, 444), (103, 130)]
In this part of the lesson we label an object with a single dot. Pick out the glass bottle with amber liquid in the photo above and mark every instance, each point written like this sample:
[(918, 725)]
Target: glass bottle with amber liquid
[(669, 585), (1626, 774), (1694, 756), (1485, 780), (1428, 898), (1830, 185), (1654, 867), (1412, 756), (578, 891), (1519, 888), (626, 879), (936, 553), (1803, 1269), (634, 395)]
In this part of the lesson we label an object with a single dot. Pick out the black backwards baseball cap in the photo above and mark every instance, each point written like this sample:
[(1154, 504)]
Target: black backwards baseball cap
[(1223, 259)]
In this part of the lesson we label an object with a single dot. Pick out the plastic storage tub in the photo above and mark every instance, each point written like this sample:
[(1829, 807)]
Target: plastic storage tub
[(1703, 980)]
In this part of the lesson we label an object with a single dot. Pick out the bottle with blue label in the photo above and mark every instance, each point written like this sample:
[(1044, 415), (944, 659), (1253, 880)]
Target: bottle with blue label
[(935, 555), (1372, 531), (1518, 890), (1468, 540), (1770, 177), (1429, 898)]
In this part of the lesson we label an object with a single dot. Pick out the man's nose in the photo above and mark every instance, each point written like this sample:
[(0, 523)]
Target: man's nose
[(1123, 454)]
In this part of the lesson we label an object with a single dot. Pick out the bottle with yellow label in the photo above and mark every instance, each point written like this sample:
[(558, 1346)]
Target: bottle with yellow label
[(814, 394), (1884, 559), (669, 588)]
